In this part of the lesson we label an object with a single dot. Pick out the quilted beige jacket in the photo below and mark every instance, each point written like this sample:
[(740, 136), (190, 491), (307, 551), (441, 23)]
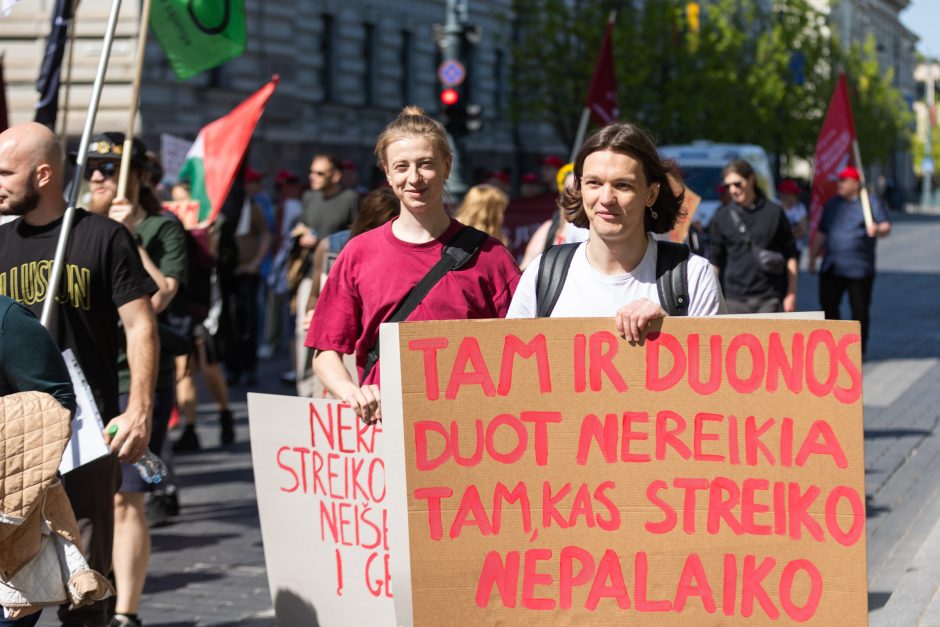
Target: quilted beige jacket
[(34, 511)]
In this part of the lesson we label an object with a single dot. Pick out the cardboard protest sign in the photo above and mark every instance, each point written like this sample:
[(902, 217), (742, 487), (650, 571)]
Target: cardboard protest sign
[(320, 481), (549, 472)]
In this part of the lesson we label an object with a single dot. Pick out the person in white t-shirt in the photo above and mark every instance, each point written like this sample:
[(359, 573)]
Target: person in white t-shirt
[(623, 196)]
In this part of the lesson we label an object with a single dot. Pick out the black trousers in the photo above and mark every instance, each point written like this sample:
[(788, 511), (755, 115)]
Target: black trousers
[(831, 290), (240, 321)]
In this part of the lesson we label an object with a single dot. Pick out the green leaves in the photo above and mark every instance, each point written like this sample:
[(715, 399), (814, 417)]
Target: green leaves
[(734, 80)]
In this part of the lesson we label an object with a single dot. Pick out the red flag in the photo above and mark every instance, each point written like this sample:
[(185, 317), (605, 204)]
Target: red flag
[(602, 96), (213, 159), (833, 151)]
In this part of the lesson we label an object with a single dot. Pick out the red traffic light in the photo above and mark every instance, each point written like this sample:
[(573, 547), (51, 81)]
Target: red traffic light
[(450, 97)]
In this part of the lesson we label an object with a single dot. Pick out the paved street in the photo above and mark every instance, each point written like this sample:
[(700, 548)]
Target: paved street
[(208, 567)]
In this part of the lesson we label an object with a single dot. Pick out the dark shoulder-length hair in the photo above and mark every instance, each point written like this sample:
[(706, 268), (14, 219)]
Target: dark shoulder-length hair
[(630, 140), (744, 169)]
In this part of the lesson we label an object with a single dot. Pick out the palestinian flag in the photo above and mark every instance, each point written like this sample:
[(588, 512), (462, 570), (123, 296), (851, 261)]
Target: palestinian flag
[(212, 161), (199, 34)]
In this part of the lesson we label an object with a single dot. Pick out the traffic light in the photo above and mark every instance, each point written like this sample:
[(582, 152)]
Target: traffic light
[(455, 111)]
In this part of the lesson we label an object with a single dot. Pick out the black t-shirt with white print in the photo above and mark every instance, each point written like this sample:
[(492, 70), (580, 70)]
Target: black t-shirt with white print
[(103, 272)]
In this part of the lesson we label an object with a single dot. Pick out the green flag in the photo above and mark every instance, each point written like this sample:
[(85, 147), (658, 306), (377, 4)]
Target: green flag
[(199, 34)]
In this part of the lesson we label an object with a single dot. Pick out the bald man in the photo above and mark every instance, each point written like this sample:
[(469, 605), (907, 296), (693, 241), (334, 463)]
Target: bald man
[(103, 283)]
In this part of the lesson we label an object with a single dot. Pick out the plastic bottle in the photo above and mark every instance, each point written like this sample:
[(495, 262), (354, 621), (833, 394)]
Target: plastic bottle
[(152, 469)]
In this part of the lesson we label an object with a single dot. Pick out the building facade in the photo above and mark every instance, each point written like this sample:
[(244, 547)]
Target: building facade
[(347, 67)]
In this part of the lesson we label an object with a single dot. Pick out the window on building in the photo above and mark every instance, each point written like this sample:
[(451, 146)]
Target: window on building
[(499, 96), (368, 55), (327, 54), (405, 54)]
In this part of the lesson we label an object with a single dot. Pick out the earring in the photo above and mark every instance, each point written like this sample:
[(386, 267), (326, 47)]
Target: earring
[(653, 213)]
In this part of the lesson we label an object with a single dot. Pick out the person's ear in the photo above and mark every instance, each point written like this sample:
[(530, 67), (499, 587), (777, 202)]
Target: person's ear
[(653, 194), (336, 176), (43, 175)]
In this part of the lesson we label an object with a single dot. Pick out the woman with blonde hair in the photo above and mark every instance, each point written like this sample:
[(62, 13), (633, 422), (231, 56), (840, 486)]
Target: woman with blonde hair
[(483, 208), (377, 270)]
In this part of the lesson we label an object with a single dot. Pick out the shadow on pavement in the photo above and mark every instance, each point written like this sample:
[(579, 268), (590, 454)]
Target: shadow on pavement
[(177, 541), (175, 581), (873, 511), (874, 434)]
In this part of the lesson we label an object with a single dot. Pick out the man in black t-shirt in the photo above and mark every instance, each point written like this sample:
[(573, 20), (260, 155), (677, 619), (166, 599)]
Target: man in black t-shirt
[(103, 283)]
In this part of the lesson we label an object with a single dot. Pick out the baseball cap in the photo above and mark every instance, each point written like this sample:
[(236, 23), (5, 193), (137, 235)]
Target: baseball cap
[(553, 160), (252, 175), (110, 145), (789, 186), (529, 177), (285, 176), (849, 172)]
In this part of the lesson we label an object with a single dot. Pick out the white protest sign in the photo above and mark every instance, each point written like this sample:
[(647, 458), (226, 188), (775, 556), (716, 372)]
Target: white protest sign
[(87, 441), (173, 151), (320, 483)]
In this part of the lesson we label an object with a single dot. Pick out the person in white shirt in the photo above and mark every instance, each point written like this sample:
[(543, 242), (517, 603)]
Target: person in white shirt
[(623, 196)]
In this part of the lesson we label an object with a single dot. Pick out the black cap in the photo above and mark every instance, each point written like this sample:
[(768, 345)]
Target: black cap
[(111, 146)]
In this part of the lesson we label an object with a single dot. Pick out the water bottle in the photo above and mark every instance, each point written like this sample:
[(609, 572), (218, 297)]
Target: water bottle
[(152, 469)]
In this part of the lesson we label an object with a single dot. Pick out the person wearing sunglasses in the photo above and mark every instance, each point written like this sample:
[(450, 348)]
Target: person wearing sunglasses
[(103, 283), (162, 249), (751, 245)]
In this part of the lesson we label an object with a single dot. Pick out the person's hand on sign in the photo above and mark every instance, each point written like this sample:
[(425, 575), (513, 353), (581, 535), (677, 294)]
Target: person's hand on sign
[(366, 402), (632, 319), (123, 211)]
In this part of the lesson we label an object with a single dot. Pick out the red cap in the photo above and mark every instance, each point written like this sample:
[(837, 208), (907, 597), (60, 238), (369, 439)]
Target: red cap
[(252, 175), (285, 176), (849, 172), (500, 175), (348, 165), (529, 177), (553, 160), (789, 186)]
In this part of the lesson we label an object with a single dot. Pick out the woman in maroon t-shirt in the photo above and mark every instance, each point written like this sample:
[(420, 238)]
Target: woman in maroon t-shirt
[(377, 269)]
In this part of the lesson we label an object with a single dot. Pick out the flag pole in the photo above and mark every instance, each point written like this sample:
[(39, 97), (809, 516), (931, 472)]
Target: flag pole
[(579, 137), (63, 132), (586, 112), (863, 189), (135, 100), (55, 276)]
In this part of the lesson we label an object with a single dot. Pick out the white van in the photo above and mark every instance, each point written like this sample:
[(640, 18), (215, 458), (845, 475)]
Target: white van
[(701, 163)]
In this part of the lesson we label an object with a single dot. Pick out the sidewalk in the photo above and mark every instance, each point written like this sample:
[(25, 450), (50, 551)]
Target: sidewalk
[(208, 567)]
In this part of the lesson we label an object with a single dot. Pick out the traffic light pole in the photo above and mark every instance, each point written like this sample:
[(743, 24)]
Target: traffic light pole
[(451, 48)]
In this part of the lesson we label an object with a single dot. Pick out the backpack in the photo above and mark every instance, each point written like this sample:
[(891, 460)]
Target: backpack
[(671, 277)]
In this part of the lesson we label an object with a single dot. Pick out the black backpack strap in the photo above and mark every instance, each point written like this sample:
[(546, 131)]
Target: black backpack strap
[(671, 277), (457, 252), (550, 236), (553, 270)]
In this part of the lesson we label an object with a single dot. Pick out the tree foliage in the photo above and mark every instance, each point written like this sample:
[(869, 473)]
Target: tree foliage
[(743, 72)]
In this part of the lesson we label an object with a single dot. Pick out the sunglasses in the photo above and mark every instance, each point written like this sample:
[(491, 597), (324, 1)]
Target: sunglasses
[(319, 173), (738, 184), (107, 168)]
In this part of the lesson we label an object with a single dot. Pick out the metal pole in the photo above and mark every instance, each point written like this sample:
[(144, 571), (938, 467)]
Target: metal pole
[(55, 277), (926, 191), (451, 49), (135, 101)]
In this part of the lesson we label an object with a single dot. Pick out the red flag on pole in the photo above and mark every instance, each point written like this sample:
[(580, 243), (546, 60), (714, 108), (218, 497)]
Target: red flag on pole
[(212, 161), (833, 151), (602, 96)]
